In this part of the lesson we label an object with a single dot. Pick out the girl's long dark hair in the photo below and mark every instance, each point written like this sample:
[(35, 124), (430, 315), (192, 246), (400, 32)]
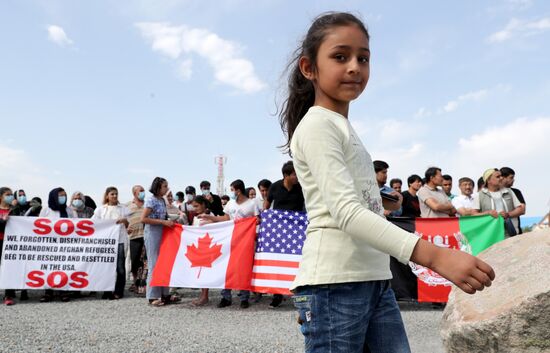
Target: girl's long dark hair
[(300, 92)]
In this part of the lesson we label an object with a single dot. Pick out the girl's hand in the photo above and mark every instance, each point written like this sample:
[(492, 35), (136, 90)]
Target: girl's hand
[(466, 271), (169, 224)]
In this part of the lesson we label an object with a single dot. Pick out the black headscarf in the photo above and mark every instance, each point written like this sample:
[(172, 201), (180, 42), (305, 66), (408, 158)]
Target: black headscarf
[(53, 203)]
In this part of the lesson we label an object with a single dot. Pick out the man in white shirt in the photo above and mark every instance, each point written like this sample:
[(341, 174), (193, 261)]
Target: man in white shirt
[(465, 201), (238, 207)]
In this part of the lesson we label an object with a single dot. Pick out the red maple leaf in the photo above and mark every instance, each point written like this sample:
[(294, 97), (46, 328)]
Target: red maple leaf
[(203, 255)]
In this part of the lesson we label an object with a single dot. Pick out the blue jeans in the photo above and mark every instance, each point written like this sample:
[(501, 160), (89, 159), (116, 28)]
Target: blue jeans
[(351, 317), (152, 237)]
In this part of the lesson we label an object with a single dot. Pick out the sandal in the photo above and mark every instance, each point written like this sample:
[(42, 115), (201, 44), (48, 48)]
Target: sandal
[(156, 302), (171, 299)]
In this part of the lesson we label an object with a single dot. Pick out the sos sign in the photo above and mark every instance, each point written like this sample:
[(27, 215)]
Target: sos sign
[(64, 227), (58, 279)]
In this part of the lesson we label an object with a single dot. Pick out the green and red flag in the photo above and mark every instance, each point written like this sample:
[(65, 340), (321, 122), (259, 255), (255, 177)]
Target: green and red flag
[(472, 234)]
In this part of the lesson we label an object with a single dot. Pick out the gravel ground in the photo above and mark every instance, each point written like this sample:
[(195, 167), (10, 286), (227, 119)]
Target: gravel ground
[(130, 325)]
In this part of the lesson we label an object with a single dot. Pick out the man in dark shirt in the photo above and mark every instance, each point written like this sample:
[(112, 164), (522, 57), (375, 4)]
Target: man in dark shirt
[(508, 178), (411, 205), (285, 194), (215, 201)]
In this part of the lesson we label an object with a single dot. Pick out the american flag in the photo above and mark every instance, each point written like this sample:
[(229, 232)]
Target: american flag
[(278, 251)]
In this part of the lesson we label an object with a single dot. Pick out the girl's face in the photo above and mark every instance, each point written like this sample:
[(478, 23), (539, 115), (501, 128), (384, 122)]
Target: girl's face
[(199, 208), (252, 194), (342, 68), (170, 197), (112, 197)]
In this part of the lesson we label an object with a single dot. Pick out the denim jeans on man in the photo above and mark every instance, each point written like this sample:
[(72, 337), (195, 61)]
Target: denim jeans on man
[(152, 236), (244, 295), (351, 317)]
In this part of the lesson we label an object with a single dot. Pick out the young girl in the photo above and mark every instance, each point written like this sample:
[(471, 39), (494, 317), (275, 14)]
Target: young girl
[(200, 205), (342, 288)]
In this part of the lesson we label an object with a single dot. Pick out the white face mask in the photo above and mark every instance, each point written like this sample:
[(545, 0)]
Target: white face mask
[(189, 197)]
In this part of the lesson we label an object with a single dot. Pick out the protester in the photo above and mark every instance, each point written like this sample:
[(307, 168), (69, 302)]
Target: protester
[(179, 200), (480, 184), (411, 205), (447, 186), (495, 197), (174, 213), (434, 203), (215, 202), (138, 259), (20, 204), (465, 201), (239, 207), (187, 207), (225, 200), (89, 202), (57, 208), (35, 207), (78, 205), (251, 193), (508, 178), (154, 217), (112, 209), (200, 204), (263, 188), (286, 194), (343, 279), (396, 184), (6, 199), (392, 209)]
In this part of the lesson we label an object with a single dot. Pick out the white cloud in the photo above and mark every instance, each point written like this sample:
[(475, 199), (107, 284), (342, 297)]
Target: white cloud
[(470, 96), (57, 35), (519, 28), (224, 56), (185, 69), (422, 113)]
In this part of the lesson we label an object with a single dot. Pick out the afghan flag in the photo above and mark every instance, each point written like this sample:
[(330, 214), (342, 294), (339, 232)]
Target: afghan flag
[(217, 255), (472, 234)]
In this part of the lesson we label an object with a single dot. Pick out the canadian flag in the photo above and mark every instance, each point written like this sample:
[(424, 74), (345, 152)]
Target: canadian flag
[(217, 255)]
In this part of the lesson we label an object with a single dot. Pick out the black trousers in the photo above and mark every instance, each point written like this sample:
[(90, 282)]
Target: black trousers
[(136, 249), (120, 272)]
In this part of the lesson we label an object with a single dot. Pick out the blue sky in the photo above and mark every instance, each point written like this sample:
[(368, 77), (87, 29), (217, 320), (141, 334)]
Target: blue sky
[(103, 93)]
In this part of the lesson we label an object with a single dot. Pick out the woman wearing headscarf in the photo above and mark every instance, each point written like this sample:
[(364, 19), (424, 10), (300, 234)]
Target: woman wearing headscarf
[(112, 209), (35, 207), (79, 207), (57, 208), (6, 198)]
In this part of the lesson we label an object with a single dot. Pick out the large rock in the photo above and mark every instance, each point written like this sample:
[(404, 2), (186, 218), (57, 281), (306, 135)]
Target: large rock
[(513, 315)]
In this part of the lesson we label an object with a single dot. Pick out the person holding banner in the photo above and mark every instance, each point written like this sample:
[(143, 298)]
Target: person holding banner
[(200, 205), (239, 207), (112, 209), (79, 207), (135, 233), (57, 208), (6, 198), (20, 204), (154, 217)]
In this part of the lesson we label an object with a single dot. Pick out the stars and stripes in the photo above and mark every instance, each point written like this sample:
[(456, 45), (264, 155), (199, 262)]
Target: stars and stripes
[(278, 250)]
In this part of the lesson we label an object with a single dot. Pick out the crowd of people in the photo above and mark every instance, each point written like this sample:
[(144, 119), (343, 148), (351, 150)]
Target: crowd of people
[(432, 196), (141, 220)]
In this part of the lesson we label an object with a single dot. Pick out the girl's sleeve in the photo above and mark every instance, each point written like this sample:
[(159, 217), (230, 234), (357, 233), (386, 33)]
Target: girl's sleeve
[(321, 147)]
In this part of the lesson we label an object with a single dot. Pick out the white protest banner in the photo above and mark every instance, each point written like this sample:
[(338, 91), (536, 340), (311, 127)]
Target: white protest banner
[(62, 254)]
